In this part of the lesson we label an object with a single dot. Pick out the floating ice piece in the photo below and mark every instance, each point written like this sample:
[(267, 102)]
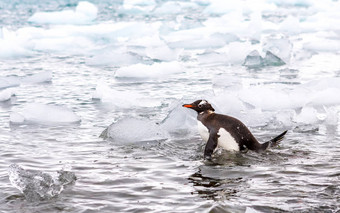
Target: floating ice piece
[(11, 81), (179, 119), (212, 58), (279, 45), (84, 13), (308, 115), (272, 60), (119, 98), (176, 7), (38, 186), (133, 130), (44, 114), (253, 60), (156, 70), (114, 57), (12, 44), (38, 78), (297, 3), (6, 94), (332, 116)]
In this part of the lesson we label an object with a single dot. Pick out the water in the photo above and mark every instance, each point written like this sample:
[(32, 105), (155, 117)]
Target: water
[(134, 65)]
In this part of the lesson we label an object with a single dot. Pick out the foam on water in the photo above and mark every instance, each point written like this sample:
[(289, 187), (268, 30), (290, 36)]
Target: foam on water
[(38, 186)]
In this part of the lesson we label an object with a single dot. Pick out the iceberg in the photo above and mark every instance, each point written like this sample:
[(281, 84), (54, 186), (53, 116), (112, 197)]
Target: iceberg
[(84, 13), (37, 185), (133, 130), (37, 113)]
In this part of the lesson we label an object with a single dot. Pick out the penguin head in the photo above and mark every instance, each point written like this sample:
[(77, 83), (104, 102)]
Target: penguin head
[(199, 106)]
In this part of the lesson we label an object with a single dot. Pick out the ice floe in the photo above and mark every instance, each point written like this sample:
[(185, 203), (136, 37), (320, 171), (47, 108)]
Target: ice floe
[(37, 185), (37, 113), (84, 13)]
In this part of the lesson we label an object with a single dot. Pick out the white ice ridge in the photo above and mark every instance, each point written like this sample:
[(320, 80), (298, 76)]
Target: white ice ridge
[(37, 113), (84, 13)]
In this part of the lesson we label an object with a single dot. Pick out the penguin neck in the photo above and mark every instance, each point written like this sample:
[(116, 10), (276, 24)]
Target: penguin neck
[(204, 114)]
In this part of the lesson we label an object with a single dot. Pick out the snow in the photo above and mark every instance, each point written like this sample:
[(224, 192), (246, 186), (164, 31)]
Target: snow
[(44, 114)]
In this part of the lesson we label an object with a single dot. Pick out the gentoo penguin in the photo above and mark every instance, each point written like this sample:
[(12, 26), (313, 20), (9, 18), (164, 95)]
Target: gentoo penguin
[(225, 131)]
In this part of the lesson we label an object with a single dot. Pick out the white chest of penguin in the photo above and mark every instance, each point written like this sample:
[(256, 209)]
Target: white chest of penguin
[(225, 139)]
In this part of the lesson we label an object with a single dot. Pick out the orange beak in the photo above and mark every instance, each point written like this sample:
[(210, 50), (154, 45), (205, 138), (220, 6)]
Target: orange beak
[(188, 105)]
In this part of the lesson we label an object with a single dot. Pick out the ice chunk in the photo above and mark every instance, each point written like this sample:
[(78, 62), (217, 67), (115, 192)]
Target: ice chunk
[(156, 70), (115, 58), (179, 119), (44, 114), (133, 130), (163, 53), (253, 60), (10, 81), (84, 13), (13, 45), (279, 45), (38, 78), (38, 186), (332, 116), (323, 45), (123, 99), (6, 94), (211, 58), (272, 60), (237, 51), (176, 7), (308, 115)]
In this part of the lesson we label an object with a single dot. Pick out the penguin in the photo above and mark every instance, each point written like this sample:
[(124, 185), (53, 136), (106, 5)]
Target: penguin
[(226, 131)]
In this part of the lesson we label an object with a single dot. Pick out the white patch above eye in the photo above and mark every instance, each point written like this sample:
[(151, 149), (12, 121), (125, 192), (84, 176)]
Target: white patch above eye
[(203, 102)]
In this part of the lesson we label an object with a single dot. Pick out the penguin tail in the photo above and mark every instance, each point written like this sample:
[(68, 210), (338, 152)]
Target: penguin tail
[(273, 142)]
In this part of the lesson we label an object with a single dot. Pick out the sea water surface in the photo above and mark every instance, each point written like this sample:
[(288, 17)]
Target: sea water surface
[(72, 69)]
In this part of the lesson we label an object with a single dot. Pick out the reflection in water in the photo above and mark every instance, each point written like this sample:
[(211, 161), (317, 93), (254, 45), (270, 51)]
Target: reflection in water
[(214, 188)]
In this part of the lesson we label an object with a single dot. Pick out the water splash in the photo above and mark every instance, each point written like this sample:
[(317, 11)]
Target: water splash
[(38, 186)]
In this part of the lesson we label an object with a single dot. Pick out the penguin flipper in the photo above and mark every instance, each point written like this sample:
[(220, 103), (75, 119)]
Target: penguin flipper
[(211, 145)]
